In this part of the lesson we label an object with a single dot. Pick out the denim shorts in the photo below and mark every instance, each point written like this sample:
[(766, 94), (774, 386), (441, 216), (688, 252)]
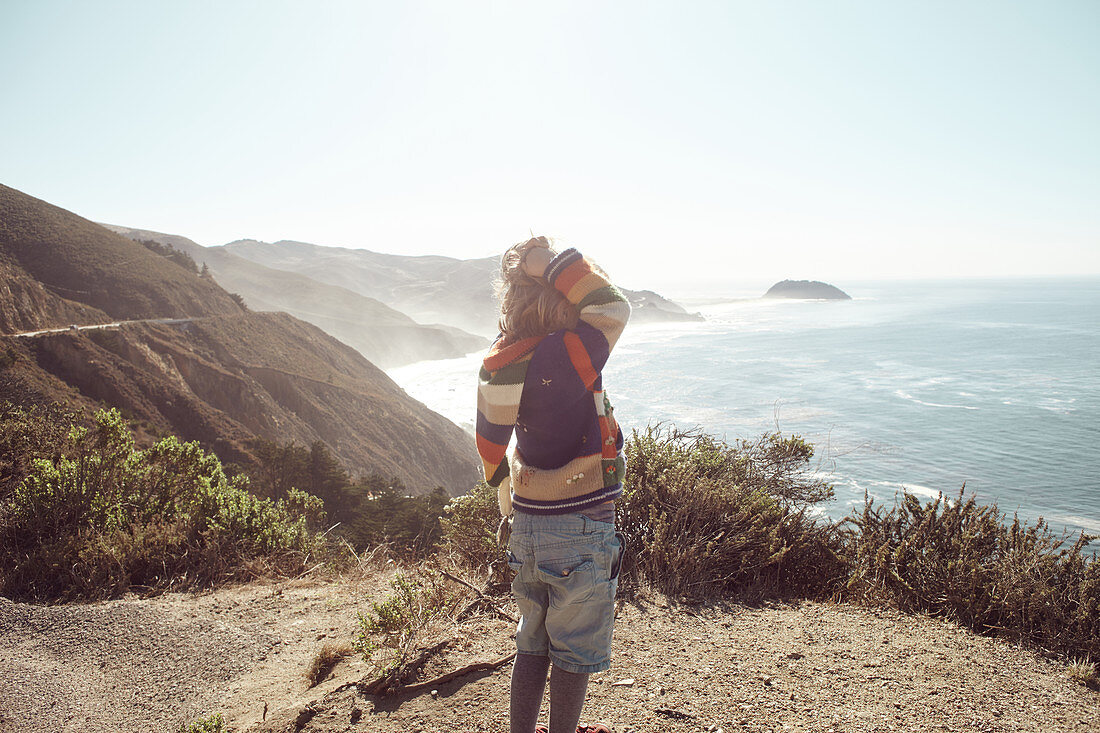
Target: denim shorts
[(567, 572)]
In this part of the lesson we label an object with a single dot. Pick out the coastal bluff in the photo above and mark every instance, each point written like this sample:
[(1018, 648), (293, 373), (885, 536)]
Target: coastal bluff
[(806, 290)]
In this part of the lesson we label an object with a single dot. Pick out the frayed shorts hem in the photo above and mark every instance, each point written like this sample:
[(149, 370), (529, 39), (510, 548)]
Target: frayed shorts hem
[(569, 666), (580, 668)]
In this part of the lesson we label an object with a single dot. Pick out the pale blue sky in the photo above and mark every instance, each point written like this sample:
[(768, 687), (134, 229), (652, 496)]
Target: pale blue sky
[(675, 141)]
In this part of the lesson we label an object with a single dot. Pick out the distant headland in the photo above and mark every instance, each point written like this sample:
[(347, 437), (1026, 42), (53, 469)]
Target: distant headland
[(808, 289)]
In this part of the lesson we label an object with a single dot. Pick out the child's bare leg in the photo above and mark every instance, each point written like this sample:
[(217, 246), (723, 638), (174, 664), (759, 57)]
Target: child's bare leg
[(528, 684), (567, 691)]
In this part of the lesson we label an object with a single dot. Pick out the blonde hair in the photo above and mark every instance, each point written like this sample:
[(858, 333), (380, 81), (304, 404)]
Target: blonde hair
[(529, 307)]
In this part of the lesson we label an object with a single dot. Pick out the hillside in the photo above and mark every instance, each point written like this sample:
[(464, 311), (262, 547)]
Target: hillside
[(383, 335), (26, 304), (431, 289), (79, 261), (221, 376), (154, 664)]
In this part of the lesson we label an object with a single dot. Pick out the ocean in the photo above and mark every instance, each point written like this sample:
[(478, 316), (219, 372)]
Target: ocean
[(910, 386)]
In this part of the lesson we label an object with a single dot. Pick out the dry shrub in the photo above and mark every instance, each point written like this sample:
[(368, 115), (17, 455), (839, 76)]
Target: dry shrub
[(704, 519), (960, 560), (327, 657)]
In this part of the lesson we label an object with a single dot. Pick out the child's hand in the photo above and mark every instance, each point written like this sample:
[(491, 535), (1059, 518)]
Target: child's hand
[(537, 257)]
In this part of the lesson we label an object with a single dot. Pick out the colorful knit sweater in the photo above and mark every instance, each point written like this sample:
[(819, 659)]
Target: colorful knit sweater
[(549, 391)]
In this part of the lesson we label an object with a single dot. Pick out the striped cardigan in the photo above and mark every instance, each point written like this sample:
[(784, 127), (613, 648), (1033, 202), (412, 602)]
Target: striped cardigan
[(549, 392)]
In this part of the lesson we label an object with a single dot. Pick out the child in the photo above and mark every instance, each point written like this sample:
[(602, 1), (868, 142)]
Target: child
[(559, 319)]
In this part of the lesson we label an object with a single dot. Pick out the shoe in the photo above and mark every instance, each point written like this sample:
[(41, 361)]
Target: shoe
[(597, 728)]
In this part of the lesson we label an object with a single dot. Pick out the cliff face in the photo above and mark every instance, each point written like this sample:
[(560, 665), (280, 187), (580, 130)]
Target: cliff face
[(26, 305), (220, 375), (382, 334)]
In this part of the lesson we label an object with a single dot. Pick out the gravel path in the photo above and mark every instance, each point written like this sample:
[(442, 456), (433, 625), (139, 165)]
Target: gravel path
[(154, 664)]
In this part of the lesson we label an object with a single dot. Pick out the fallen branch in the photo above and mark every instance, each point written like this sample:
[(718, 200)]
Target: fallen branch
[(386, 682), (459, 580), (468, 669), (482, 598)]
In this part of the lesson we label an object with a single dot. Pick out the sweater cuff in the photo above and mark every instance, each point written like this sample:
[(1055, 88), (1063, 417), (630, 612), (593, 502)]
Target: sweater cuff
[(560, 263)]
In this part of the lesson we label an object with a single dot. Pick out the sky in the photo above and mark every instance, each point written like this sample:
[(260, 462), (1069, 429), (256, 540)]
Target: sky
[(680, 144)]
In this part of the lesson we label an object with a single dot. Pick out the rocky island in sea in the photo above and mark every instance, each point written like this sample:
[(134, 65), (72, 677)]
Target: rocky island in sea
[(806, 289)]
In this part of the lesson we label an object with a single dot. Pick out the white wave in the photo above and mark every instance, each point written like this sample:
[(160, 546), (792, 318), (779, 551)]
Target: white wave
[(910, 488), (1056, 404), (906, 396), (1090, 524), (922, 491)]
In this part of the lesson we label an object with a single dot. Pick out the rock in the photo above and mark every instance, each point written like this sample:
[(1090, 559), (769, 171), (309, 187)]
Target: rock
[(806, 289)]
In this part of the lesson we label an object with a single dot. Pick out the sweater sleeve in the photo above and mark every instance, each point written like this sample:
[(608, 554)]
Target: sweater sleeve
[(600, 303), (498, 397)]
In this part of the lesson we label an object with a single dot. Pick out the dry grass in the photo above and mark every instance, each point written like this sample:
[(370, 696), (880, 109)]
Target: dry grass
[(1085, 672), (327, 657)]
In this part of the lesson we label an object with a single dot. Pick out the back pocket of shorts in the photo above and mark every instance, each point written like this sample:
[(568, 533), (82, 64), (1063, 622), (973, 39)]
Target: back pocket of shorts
[(570, 579)]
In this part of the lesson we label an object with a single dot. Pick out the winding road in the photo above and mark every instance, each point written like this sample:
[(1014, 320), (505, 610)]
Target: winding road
[(115, 324)]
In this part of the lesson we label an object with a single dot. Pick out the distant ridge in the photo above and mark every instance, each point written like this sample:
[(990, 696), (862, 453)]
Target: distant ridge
[(807, 289), (431, 288), (218, 374), (382, 334)]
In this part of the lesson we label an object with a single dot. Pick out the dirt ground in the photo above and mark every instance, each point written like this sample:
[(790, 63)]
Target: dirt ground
[(156, 664)]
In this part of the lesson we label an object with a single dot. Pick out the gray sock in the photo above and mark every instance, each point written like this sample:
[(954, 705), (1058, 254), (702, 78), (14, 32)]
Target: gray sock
[(566, 699), (528, 684)]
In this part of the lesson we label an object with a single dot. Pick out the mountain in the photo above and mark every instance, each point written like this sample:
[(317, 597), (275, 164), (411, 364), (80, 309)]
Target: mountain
[(807, 289), (432, 289), (215, 372), (383, 335)]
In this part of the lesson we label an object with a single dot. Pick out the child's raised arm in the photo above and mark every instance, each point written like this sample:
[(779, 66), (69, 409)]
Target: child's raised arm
[(601, 304)]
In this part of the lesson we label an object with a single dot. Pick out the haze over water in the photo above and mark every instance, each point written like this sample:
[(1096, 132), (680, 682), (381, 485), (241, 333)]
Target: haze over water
[(919, 386)]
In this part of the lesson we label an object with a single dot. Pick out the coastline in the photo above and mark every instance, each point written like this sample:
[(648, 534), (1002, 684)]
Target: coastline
[(897, 421)]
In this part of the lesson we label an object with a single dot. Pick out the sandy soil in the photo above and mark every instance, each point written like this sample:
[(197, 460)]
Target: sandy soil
[(155, 664)]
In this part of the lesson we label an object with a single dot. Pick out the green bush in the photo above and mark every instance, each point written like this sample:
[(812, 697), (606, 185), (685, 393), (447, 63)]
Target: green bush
[(213, 723), (101, 516), (469, 527), (396, 625), (25, 435), (371, 511)]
